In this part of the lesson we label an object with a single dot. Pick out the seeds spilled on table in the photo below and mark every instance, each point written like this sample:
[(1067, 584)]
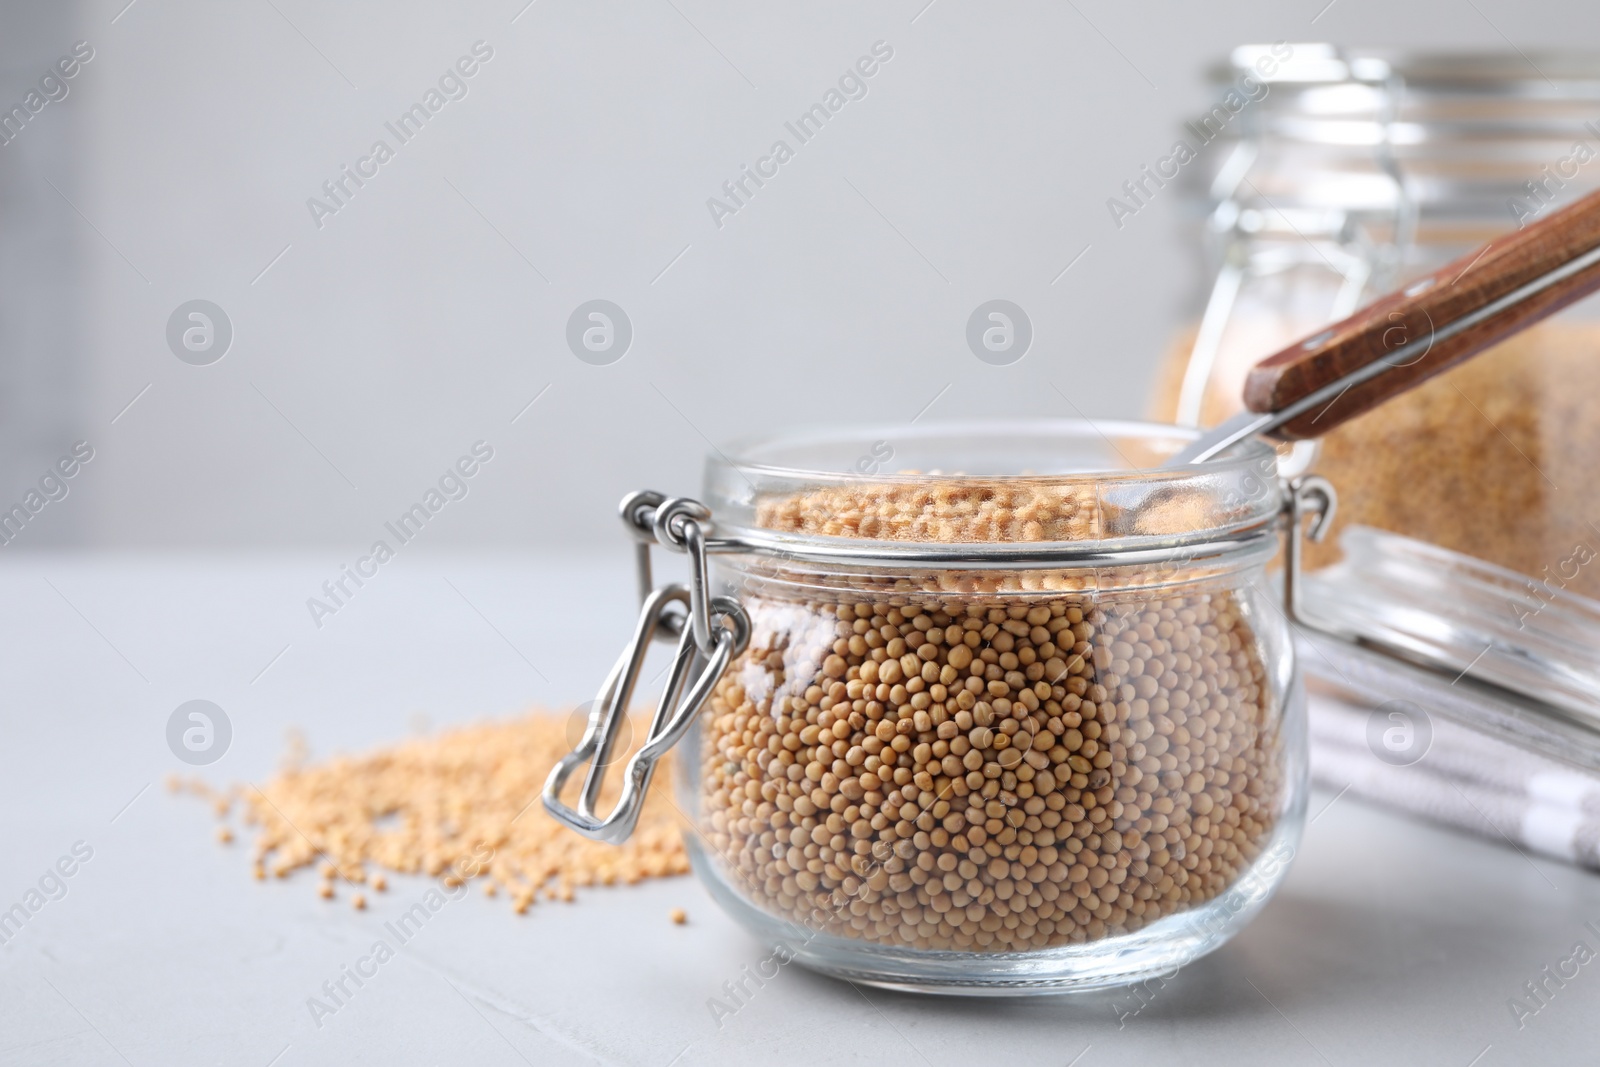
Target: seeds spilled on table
[(463, 804)]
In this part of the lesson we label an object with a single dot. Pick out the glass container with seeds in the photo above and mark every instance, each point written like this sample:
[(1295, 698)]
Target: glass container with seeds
[(1023, 716), (1471, 506)]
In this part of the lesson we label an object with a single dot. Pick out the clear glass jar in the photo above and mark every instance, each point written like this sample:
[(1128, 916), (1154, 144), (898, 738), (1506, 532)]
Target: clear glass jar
[(1468, 506), (1030, 727), (1357, 171)]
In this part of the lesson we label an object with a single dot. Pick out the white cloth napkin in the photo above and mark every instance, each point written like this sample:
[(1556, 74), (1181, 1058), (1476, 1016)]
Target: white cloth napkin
[(1467, 780)]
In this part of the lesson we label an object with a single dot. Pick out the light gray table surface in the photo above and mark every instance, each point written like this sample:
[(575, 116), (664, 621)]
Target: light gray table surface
[(1391, 941)]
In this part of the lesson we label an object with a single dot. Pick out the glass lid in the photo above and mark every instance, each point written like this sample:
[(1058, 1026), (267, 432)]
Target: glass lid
[(1463, 616)]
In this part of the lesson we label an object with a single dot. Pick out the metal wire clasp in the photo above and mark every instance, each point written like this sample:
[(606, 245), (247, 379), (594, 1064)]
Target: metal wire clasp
[(717, 630), (1308, 496)]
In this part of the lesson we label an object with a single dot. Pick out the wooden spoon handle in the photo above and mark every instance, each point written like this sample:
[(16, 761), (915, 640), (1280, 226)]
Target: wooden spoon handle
[(1435, 322)]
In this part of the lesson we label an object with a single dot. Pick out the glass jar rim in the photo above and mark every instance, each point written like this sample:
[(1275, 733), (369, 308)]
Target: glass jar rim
[(1545, 72), (1140, 511)]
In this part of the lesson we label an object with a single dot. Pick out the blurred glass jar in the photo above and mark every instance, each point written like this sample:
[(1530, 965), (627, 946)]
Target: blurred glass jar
[(1355, 172), (1029, 727)]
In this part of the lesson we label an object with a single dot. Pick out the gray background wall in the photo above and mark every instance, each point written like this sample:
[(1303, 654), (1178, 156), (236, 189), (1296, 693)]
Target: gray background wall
[(370, 353)]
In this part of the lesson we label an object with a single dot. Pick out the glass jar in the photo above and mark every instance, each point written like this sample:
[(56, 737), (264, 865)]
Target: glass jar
[(1355, 172), (1469, 506), (1029, 727)]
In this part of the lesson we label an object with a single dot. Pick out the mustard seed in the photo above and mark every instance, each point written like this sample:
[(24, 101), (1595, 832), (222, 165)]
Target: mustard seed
[(1006, 761), (458, 806)]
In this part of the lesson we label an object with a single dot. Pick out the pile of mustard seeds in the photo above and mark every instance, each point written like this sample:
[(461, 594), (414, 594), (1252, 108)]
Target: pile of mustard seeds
[(961, 510), (463, 804), (908, 765)]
